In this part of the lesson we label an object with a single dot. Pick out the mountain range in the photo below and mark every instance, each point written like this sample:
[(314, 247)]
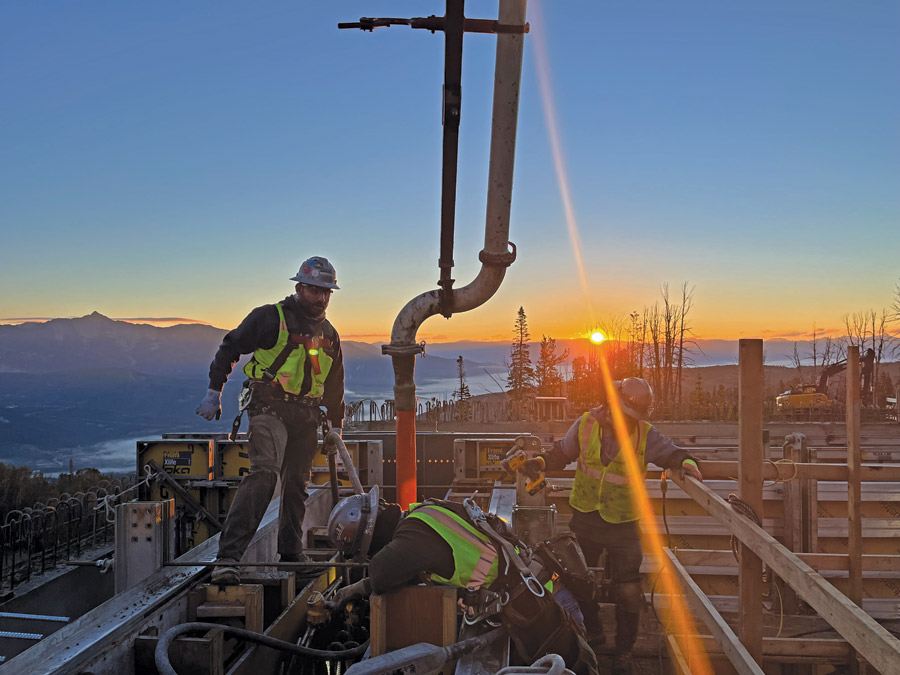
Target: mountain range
[(83, 389)]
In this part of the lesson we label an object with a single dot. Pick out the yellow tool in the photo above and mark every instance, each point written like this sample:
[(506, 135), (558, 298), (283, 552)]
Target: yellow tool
[(516, 460)]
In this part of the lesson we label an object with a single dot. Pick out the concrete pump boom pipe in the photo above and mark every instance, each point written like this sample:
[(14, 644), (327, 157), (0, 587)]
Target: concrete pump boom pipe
[(495, 257), (335, 438)]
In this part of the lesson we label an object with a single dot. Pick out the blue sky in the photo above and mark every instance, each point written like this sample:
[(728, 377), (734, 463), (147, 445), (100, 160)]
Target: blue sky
[(180, 159)]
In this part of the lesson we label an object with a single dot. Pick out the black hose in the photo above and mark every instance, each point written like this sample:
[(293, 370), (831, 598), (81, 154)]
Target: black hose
[(161, 655)]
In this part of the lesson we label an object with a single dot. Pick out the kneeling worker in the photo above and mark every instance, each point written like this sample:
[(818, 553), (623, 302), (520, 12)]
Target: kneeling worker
[(457, 546), (604, 512)]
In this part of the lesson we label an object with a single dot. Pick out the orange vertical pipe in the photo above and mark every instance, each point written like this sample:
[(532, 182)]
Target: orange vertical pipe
[(406, 458)]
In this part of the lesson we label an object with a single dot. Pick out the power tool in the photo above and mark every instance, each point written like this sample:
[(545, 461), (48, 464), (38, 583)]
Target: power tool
[(516, 460)]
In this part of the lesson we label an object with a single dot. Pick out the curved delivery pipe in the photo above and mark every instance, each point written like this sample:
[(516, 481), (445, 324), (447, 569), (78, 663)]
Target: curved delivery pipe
[(495, 257)]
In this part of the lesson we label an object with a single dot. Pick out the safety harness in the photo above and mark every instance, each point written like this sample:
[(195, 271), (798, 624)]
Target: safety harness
[(267, 378)]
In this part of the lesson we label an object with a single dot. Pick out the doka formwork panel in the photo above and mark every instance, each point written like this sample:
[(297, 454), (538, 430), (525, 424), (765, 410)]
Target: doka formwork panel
[(483, 457), (233, 461), (182, 458), (230, 460)]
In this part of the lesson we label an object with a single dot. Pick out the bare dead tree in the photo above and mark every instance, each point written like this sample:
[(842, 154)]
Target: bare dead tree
[(687, 301), (814, 345), (654, 357), (796, 362)]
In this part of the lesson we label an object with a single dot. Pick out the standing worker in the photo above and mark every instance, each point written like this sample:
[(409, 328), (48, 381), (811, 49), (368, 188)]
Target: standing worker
[(604, 512), (460, 546), (297, 366)]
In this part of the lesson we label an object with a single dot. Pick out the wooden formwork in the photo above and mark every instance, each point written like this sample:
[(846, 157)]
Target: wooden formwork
[(871, 645), (830, 533)]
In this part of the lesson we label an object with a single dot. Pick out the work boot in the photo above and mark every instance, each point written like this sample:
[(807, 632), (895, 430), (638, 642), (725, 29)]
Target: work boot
[(227, 575), (622, 664), (303, 571)]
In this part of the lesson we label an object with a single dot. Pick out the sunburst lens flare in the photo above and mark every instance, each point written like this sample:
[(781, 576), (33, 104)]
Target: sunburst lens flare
[(597, 337)]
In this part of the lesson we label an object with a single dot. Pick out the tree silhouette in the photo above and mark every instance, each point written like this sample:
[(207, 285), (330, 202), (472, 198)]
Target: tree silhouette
[(462, 395), (546, 374), (520, 370)]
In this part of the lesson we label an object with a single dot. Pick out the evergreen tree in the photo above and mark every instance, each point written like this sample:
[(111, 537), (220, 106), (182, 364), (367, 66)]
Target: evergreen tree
[(462, 395), (520, 371), (546, 374), (580, 385)]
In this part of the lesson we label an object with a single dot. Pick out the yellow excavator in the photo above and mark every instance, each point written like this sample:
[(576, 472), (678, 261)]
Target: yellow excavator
[(815, 396), (805, 396)]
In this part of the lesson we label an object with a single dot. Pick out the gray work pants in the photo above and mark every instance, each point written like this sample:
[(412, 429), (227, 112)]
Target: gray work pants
[(283, 443)]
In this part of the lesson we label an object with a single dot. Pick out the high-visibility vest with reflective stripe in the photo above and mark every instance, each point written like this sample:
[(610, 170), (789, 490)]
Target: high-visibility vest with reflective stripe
[(475, 559), (290, 375), (606, 489)]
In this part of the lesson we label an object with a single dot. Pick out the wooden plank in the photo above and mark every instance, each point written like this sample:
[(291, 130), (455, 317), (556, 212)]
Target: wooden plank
[(818, 561), (245, 600), (854, 496), (377, 626), (722, 470), (220, 611), (202, 655), (750, 442), (411, 615), (796, 510), (854, 462), (792, 650), (679, 663), (738, 654), (871, 640), (279, 589), (288, 626), (877, 608)]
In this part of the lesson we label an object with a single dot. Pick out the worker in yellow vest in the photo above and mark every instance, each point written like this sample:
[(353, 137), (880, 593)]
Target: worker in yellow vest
[(297, 366), (604, 515), (448, 544)]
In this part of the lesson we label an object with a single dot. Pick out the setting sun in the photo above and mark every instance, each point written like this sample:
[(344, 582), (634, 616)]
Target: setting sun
[(597, 337)]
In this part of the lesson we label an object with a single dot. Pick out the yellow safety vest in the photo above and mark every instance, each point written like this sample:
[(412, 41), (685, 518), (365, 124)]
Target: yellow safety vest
[(606, 489), (290, 375), (474, 556)]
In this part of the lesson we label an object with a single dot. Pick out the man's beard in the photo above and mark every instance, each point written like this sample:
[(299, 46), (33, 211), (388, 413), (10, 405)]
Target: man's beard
[(312, 310)]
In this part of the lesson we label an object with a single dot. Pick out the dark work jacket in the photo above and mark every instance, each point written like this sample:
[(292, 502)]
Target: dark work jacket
[(259, 330)]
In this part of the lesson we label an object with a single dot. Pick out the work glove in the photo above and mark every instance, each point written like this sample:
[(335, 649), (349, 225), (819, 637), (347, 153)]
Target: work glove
[(329, 441), (534, 466), (345, 594), (689, 467), (211, 406)]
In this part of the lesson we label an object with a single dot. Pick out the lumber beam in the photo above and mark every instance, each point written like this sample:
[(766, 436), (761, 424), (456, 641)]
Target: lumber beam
[(818, 561), (854, 494), (679, 663), (790, 650), (750, 483), (854, 491), (717, 469), (737, 653), (871, 641)]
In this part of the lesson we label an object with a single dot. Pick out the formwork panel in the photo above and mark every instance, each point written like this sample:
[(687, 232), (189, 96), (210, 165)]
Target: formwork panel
[(188, 459)]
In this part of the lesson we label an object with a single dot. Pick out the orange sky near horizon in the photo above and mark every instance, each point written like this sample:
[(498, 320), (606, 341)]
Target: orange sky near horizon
[(487, 324)]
